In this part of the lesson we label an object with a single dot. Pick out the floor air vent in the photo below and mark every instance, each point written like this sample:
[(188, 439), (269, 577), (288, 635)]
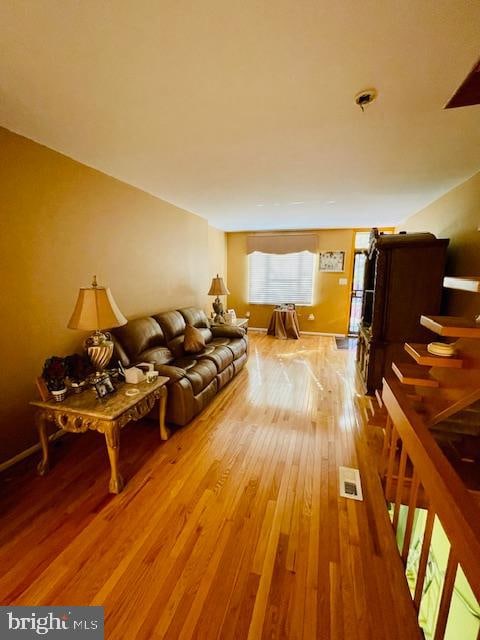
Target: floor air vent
[(350, 485)]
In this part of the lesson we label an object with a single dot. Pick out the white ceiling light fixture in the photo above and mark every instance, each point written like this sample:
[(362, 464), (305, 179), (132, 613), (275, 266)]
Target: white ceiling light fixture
[(365, 97)]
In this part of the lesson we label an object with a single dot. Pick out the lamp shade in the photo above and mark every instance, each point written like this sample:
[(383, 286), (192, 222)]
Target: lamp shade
[(96, 309), (218, 288)]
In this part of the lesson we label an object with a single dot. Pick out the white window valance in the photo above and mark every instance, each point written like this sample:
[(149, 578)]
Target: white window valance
[(282, 243)]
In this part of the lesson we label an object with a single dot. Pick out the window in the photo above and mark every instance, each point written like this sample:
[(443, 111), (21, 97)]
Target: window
[(362, 242), (359, 262), (362, 239), (274, 278)]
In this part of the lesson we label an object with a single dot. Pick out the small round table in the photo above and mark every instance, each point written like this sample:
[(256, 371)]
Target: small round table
[(284, 324)]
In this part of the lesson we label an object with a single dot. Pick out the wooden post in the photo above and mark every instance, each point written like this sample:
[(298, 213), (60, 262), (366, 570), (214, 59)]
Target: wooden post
[(391, 460), (422, 565), (400, 479), (412, 505), (446, 598)]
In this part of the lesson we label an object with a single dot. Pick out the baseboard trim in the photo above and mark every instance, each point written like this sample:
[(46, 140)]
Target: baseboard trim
[(30, 451), (323, 333), (305, 333)]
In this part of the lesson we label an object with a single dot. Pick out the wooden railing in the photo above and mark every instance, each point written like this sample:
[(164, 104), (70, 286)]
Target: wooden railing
[(417, 473)]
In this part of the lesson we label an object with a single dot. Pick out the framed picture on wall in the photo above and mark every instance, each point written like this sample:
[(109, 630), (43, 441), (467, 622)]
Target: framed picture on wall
[(332, 261)]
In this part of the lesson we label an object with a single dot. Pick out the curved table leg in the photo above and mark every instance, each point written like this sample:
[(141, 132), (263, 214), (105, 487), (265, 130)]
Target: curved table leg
[(41, 423), (162, 406), (112, 438)]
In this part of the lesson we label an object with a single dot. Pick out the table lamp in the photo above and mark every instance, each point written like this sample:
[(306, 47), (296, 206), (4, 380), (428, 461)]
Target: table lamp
[(97, 310), (218, 288)]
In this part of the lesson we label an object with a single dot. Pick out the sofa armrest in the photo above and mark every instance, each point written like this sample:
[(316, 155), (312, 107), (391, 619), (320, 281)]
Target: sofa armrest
[(227, 331), (174, 373)]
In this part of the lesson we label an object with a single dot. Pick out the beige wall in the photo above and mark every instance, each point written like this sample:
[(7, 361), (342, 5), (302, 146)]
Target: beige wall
[(62, 222), (217, 254), (456, 215), (331, 304)]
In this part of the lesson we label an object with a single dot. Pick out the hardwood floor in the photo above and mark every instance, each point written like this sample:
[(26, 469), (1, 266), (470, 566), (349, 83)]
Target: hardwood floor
[(233, 528)]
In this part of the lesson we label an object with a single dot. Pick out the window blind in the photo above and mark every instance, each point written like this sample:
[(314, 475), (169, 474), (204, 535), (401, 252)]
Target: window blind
[(274, 279)]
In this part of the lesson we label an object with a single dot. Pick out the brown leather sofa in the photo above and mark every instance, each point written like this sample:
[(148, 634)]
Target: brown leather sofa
[(195, 378)]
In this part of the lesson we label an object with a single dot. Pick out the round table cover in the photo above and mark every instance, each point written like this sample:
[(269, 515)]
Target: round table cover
[(284, 324)]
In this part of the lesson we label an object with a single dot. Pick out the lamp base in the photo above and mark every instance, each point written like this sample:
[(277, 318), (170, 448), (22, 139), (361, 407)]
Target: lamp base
[(100, 355), (218, 310), (100, 349)]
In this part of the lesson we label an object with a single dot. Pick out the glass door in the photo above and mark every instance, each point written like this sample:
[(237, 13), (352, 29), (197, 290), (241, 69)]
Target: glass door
[(359, 263), (362, 244)]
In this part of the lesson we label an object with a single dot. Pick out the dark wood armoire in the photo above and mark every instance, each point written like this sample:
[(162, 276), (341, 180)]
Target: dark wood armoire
[(403, 280)]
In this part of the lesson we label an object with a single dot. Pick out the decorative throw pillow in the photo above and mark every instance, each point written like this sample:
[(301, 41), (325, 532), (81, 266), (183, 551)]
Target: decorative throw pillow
[(194, 340)]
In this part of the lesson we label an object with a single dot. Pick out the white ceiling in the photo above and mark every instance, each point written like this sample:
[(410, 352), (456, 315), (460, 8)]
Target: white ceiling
[(243, 111)]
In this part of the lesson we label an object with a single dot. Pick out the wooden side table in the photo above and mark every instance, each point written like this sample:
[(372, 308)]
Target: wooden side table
[(79, 413), (242, 323)]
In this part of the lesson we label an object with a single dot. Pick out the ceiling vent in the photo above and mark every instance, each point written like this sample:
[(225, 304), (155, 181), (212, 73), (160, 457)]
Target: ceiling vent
[(468, 93), (350, 485)]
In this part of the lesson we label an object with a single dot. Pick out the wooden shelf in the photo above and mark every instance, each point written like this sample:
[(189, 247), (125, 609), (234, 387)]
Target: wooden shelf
[(463, 284), (413, 374), (422, 356), (451, 326)]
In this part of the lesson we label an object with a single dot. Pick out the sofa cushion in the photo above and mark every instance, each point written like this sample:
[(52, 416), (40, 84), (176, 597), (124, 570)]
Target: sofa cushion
[(176, 346), (138, 336), (197, 318), (201, 400), (158, 355), (219, 342), (221, 356), (206, 333), (237, 347), (204, 352), (194, 342), (184, 363), (172, 323), (170, 371), (226, 375), (201, 375), (239, 362), (227, 331)]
